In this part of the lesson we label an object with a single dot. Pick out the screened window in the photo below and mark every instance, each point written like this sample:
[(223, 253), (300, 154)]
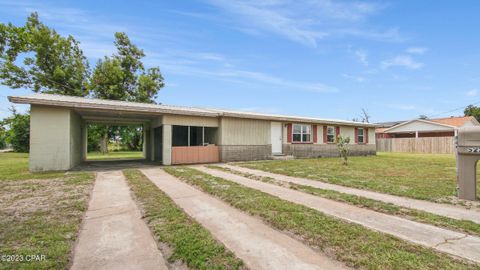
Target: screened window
[(361, 135), (331, 134), (302, 133), (193, 136)]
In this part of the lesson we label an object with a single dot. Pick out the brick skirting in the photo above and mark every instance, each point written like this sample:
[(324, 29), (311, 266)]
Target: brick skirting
[(244, 152), (326, 150)]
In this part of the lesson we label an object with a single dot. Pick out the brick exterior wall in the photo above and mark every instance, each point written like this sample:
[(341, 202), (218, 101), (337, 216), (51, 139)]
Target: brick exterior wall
[(326, 150), (245, 152)]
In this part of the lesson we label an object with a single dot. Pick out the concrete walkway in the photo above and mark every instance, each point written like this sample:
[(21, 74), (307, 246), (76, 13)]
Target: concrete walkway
[(257, 244), (113, 235), (452, 211), (454, 243)]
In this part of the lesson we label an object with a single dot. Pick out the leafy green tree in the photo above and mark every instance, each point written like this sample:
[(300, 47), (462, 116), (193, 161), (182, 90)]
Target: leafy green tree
[(3, 137), (472, 110), (17, 131), (36, 57), (122, 76)]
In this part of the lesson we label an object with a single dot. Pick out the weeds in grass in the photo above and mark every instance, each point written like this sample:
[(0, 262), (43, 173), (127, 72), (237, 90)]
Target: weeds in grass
[(189, 241), (350, 243)]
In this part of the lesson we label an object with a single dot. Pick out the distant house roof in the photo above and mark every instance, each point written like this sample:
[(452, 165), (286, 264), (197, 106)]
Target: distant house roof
[(114, 105), (454, 121), (447, 122)]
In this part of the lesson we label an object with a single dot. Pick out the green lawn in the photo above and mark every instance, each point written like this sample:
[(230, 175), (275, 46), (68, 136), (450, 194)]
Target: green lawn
[(350, 243), (115, 155), (421, 176), (40, 213), (189, 242), (465, 226)]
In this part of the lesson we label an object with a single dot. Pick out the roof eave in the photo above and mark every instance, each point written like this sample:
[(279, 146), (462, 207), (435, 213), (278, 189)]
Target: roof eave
[(78, 105)]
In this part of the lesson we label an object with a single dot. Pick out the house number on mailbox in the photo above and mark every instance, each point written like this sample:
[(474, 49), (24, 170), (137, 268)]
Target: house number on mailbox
[(473, 150)]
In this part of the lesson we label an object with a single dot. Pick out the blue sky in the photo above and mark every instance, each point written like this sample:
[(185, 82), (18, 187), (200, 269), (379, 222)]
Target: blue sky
[(397, 59)]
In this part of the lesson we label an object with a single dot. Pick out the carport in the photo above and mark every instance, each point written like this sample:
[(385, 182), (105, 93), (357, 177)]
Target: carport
[(171, 135)]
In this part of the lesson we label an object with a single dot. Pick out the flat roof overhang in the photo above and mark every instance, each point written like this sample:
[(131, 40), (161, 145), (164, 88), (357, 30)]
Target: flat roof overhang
[(160, 109)]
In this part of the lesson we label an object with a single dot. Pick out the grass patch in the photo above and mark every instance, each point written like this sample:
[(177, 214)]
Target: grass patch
[(189, 241), (420, 176), (14, 166), (115, 155), (465, 226), (351, 243), (42, 217)]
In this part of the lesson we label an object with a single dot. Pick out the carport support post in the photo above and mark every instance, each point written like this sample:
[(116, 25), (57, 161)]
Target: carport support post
[(167, 145), (84, 141)]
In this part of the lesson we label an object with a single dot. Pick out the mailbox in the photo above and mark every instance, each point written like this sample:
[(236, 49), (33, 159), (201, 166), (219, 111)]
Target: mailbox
[(468, 153)]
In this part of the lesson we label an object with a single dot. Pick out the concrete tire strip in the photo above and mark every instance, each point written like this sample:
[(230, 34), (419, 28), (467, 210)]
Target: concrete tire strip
[(113, 235), (258, 245), (451, 211), (450, 242)]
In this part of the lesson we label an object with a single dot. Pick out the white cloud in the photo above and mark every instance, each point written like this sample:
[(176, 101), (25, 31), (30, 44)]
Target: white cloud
[(217, 66), (405, 61), (355, 78), (416, 50), (472, 93), (362, 57), (305, 23)]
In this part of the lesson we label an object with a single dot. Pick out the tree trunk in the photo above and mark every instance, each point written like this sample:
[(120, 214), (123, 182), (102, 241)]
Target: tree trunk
[(104, 142)]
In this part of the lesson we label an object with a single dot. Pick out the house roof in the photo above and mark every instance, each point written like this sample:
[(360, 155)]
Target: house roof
[(448, 122), (147, 108), (454, 121)]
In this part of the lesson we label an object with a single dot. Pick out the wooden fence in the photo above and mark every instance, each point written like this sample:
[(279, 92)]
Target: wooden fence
[(428, 145)]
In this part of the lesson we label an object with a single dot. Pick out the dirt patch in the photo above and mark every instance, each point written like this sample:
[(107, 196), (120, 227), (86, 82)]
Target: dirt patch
[(20, 198)]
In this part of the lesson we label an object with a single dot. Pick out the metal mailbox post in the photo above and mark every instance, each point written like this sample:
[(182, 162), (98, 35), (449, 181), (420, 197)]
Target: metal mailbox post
[(468, 153)]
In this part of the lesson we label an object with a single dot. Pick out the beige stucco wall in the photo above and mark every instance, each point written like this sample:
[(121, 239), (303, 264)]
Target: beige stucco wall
[(238, 131), (50, 146), (182, 120), (76, 143)]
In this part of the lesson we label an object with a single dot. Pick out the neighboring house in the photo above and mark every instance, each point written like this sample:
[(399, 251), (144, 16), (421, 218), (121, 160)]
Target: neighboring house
[(182, 135), (419, 128)]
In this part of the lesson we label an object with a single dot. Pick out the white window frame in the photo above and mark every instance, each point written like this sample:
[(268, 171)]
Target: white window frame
[(303, 131), (361, 136), (334, 134)]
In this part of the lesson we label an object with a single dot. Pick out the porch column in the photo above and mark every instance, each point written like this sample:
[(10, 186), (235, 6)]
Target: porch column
[(416, 134), (146, 142), (167, 145), (84, 141)]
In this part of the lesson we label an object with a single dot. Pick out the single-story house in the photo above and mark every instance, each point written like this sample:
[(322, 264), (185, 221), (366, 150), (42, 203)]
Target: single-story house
[(182, 135), (419, 128)]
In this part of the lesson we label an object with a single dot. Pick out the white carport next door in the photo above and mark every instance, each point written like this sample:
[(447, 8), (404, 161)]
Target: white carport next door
[(276, 138)]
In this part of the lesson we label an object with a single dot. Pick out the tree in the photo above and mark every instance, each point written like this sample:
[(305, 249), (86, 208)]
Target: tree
[(3, 137), (50, 63), (472, 110), (342, 145), (18, 131), (122, 76), (365, 116), (422, 116)]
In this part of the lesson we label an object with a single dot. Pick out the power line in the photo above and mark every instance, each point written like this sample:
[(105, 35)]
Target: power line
[(454, 110)]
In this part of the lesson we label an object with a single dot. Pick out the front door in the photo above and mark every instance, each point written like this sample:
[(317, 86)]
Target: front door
[(276, 137)]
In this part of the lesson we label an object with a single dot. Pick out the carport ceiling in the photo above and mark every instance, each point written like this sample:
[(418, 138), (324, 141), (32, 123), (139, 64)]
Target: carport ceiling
[(98, 116)]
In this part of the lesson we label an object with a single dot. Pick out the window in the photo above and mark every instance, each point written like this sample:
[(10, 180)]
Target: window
[(331, 134), (193, 136), (361, 135), (302, 133)]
